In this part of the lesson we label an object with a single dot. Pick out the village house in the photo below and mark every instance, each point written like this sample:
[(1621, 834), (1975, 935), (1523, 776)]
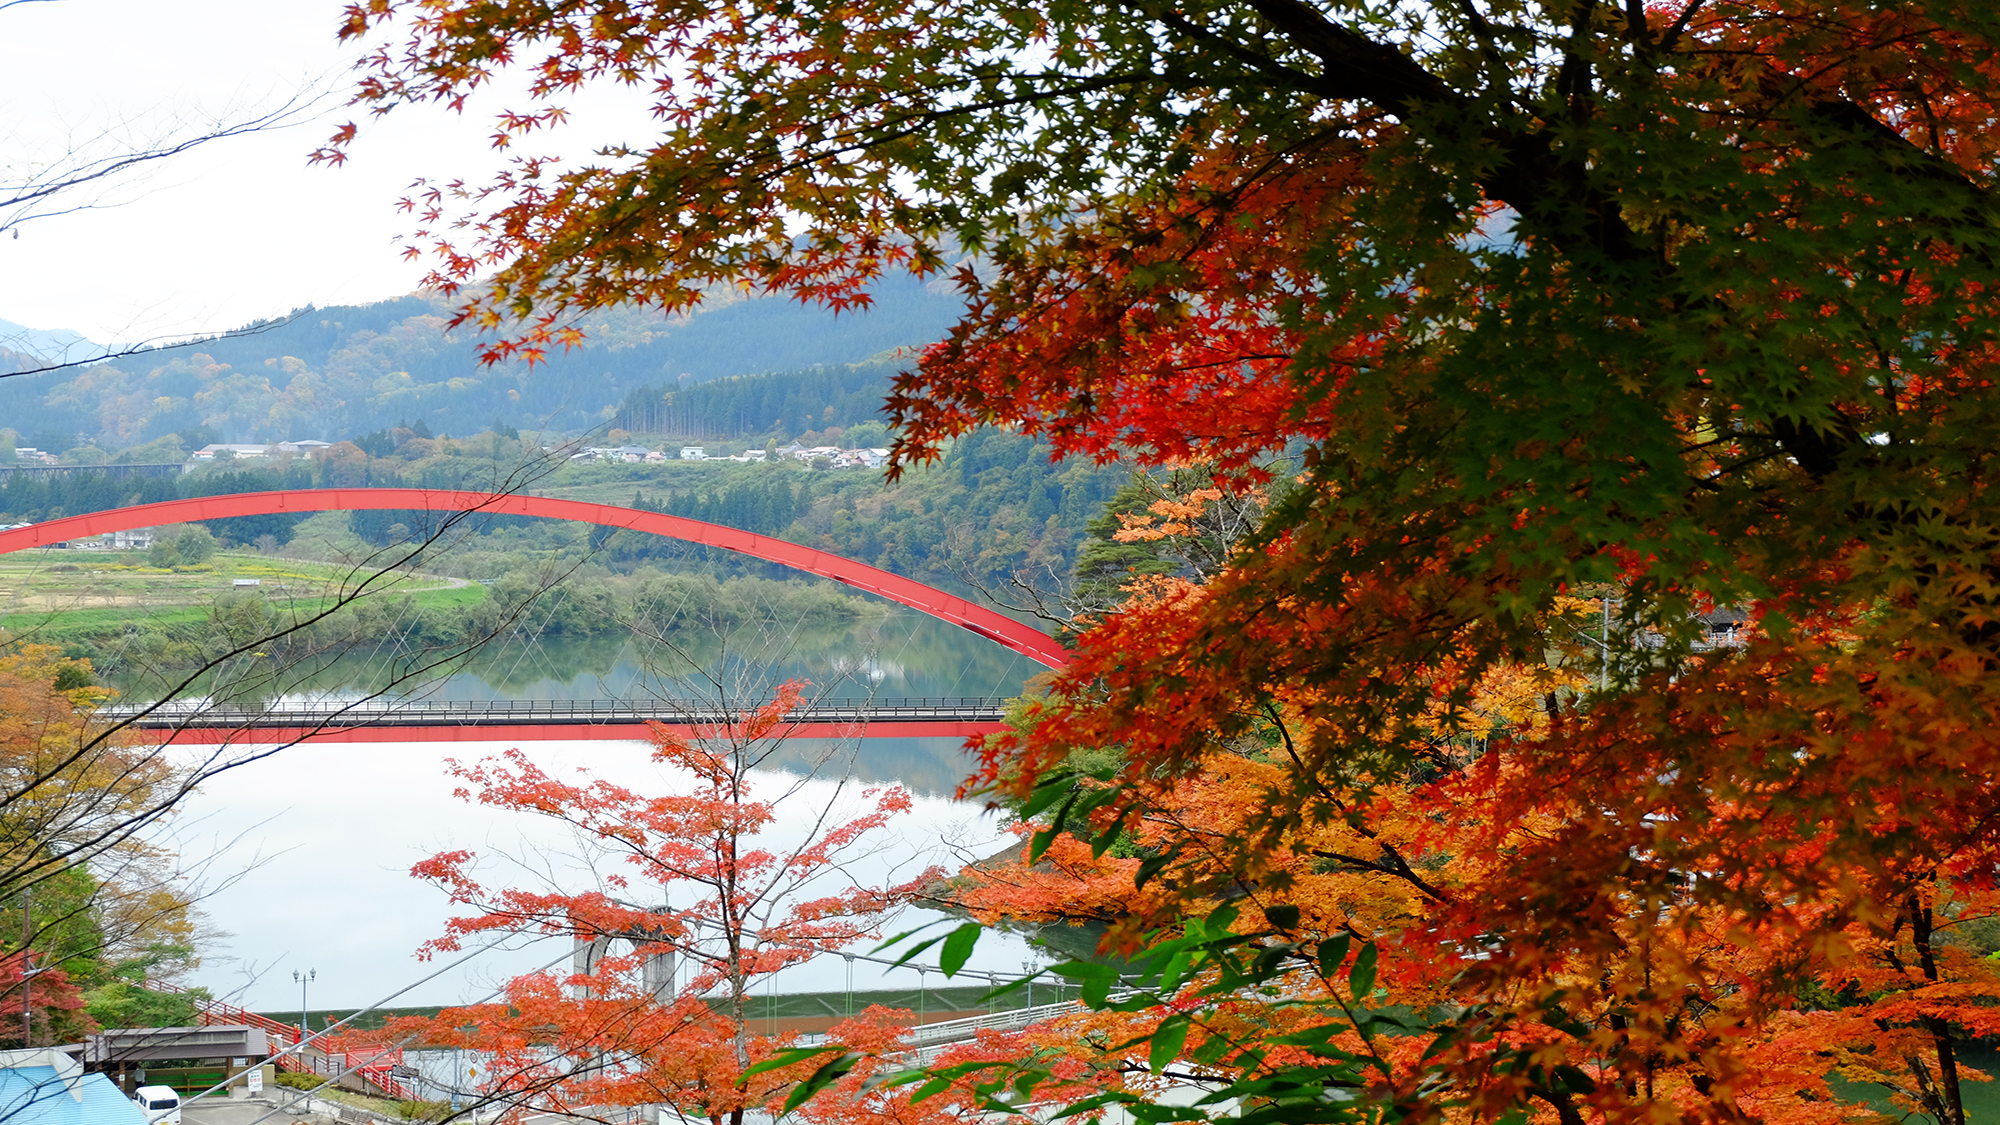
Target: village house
[(616, 454), (236, 450), (252, 450), (137, 539)]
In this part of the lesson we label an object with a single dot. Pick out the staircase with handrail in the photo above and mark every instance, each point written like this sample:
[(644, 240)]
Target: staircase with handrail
[(373, 1066)]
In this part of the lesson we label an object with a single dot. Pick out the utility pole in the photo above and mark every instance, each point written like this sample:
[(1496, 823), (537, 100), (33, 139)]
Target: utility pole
[(27, 975), (1604, 648)]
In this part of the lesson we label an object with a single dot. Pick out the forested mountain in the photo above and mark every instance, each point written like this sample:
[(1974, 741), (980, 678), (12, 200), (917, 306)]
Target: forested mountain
[(786, 404), (340, 372)]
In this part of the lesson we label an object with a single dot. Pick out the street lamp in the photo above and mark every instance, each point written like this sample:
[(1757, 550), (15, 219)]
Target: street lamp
[(304, 978), (850, 984)]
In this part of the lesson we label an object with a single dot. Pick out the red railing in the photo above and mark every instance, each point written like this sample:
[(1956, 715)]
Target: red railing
[(375, 1064), (210, 1011)]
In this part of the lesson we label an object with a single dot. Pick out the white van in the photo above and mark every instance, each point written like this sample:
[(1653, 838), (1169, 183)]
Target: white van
[(160, 1104)]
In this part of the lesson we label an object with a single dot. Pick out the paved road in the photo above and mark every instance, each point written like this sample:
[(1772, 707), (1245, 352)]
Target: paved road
[(235, 1111), (227, 1111)]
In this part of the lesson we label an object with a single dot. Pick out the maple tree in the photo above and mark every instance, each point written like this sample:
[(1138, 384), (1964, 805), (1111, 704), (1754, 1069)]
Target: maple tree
[(706, 905), (83, 896), (55, 1006), (1415, 873), (1693, 302), (72, 786)]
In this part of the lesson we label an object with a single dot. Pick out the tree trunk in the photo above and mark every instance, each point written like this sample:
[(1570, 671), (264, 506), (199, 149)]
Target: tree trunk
[(1950, 1108)]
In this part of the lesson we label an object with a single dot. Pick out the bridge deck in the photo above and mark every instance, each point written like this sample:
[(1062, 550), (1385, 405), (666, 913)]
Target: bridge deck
[(433, 720)]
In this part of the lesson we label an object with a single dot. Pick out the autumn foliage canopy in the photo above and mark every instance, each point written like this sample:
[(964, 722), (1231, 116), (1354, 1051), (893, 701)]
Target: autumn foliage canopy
[(1590, 323)]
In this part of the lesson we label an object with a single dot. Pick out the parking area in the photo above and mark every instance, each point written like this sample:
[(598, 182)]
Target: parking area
[(232, 1111), (242, 1111)]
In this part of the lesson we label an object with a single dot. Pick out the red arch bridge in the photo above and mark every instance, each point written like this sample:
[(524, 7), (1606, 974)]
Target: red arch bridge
[(407, 721)]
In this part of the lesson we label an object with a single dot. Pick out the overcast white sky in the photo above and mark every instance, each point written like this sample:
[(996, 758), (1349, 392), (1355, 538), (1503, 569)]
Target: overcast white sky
[(240, 229)]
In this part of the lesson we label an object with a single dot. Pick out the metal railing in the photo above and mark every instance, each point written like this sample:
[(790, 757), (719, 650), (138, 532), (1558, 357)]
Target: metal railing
[(210, 1012), (965, 1027), (374, 1064), (454, 712), (925, 1041)]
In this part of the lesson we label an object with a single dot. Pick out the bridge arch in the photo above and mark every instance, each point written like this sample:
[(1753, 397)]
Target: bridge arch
[(1024, 639)]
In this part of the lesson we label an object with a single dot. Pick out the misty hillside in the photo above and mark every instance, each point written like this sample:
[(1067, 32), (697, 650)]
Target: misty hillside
[(20, 343), (340, 372)]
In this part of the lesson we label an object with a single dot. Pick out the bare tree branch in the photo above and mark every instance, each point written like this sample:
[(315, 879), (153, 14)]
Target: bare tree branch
[(29, 362)]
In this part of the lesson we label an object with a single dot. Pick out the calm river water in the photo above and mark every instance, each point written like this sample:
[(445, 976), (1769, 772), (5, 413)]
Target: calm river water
[(893, 656), (325, 834)]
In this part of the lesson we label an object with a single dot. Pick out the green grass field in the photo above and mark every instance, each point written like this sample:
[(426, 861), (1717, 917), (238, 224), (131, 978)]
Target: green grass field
[(58, 595)]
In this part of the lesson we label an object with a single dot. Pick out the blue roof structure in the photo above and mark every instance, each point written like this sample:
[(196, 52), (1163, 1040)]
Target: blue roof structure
[(44, 1087)]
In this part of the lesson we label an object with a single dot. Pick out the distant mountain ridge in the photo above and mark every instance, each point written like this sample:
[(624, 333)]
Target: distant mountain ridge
[(49, 345), (340, 372)]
